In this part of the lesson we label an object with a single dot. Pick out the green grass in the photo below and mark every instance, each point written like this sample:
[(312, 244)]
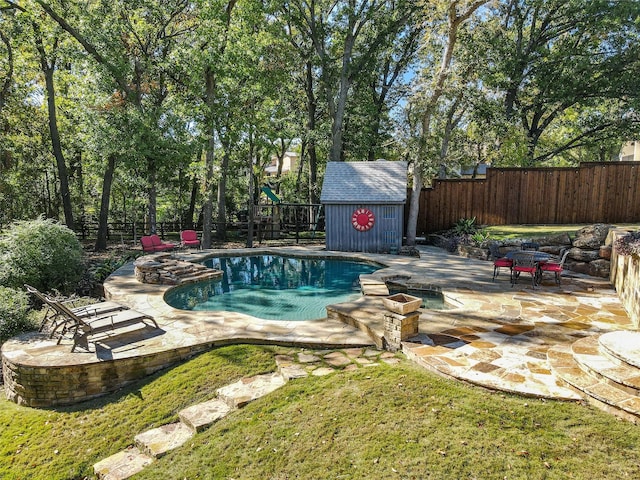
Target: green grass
[(504, 232), (379, 422)]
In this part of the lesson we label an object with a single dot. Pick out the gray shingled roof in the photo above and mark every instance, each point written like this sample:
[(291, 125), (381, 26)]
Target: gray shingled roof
[(365, 182)]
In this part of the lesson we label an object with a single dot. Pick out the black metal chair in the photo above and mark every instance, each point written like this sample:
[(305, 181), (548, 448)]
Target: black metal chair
[(524, 262), (530, 246)]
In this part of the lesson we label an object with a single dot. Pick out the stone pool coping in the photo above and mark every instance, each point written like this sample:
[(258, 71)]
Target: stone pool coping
[(490, 322)]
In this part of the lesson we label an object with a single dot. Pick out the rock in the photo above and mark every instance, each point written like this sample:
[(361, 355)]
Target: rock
[(473, 252), (439, 241), (605, 252), (578, 267), (592, 236), (560, 240), (600, 268), (582, 255), (408, 251)]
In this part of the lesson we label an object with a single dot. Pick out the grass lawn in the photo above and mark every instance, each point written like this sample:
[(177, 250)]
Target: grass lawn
[(503, 232), (377, 422)]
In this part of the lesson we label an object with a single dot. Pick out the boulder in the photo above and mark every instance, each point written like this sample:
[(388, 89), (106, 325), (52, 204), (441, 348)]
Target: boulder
[(560, 240), (600, 268), (582, 255), (592, 236), (578, 267), (473, 252)]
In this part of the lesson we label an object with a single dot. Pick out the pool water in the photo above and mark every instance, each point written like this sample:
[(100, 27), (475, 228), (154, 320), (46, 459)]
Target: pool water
[(274, 287)]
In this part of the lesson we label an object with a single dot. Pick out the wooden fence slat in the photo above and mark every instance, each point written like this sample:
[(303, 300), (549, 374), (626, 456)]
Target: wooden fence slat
[(607, 192)]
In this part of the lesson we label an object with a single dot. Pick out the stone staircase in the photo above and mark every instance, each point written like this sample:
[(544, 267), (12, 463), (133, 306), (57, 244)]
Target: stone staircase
[(604, 369), (156, 442)]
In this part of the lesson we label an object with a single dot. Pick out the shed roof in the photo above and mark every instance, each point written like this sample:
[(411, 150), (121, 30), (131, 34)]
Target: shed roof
[(381, 181)]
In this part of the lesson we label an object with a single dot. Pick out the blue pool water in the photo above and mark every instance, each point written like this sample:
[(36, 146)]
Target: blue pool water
[(274, 287)]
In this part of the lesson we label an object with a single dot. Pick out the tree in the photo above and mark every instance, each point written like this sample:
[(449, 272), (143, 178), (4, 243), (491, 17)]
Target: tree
[(457, 12), (557, 62)]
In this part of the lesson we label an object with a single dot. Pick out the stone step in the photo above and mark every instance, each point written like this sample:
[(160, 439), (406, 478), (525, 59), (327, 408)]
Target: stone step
[(158, 441), (245, 390), (596, 391), (589, 355), (198, 277), (122, 465), (623, 346), (201, 416)]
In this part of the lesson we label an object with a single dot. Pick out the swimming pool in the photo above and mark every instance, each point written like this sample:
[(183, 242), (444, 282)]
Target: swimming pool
[(274, 287)]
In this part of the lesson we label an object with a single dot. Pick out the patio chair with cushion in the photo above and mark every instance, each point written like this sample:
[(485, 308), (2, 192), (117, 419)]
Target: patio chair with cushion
[(189, 238), (499, 261), (524, 262), (55, 321), (153, 243), (556, 268), (83, 327)]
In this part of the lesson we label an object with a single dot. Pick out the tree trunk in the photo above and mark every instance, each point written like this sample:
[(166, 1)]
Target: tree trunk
[(192, 204), (311, 127), (152, 195), (101, 241), (207, 207), (65, 194), (222, 193)]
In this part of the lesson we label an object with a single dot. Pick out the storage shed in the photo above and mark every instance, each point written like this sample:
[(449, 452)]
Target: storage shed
[(364, 205)]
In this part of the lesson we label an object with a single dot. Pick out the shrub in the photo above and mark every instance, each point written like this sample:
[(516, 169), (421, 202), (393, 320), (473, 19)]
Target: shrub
[(629, 244), (465, 226), (14, 313), (42, 253)]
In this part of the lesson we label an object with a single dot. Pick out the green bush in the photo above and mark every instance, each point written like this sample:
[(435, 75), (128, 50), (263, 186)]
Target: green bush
[(41, 253), (14, 313)]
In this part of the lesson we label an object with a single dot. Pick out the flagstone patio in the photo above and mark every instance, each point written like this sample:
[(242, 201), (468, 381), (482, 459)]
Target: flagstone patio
[(494, 335)]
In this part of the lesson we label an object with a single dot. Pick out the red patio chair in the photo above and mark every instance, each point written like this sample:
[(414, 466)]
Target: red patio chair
[(499, 263), (147, 244), (159, 245), (189, 238), (556, 268)]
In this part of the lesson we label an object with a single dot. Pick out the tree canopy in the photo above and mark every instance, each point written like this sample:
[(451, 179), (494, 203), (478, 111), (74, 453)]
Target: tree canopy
[(171, 110)]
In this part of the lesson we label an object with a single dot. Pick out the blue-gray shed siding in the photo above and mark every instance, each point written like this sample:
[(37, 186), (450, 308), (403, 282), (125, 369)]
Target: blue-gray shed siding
[(385, 234)]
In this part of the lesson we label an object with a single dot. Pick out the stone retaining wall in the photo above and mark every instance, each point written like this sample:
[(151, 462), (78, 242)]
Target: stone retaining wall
[(69, 384), (625, 277)]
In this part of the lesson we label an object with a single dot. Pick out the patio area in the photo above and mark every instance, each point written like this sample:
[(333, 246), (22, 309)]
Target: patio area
[(494, 335)]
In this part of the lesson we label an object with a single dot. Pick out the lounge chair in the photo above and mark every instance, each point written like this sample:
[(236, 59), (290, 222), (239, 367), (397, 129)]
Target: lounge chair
[(189, 238), (83, 327), (57, 321), (153, 243)]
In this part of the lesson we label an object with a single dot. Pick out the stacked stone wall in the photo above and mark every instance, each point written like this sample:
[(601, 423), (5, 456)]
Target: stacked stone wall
[(625, 277), (40, 387)]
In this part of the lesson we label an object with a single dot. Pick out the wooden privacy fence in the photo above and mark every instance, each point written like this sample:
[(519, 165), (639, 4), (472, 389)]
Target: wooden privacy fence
[(607, 192)]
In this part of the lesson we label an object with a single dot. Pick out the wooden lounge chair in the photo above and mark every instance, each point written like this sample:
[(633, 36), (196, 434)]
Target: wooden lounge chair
[(57, 321), (83, 327)]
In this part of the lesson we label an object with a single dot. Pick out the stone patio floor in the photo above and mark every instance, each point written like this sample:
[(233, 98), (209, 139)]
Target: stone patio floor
[(494, 335)]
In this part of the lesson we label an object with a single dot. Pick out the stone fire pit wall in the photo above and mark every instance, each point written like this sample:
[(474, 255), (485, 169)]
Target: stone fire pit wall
[(164, 269)]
